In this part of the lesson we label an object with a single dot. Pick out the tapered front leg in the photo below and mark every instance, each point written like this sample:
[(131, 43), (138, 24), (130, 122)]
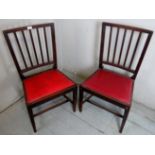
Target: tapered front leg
[(74, 99), (126, 112), (32, 118), (80, 99)]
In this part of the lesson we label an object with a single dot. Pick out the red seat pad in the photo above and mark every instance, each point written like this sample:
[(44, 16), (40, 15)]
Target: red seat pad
[(111, 85), (45, 84)]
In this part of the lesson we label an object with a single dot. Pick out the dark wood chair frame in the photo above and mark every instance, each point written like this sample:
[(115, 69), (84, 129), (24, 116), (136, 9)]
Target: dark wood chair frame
[(53, 63), (92, 93)]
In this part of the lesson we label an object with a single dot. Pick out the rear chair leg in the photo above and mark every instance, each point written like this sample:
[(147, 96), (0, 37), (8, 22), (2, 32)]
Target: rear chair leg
[(80, 99), (126, 112), (32, 119), (74, 99)]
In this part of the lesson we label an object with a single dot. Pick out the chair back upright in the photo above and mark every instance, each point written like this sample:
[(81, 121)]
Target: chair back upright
[(32, 47), (123, 47)]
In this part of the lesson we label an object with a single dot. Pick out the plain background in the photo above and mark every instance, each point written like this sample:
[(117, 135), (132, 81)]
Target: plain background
[(78, 53)]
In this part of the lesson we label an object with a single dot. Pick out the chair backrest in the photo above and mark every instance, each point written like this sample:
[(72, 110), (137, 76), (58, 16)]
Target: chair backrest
[(123, 47), (32, 47)]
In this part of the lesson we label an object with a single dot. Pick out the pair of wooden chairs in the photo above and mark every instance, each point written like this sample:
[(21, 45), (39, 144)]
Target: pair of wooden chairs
[(34, 47)]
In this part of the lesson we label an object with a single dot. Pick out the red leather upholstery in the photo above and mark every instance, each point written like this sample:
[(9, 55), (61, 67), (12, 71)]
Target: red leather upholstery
[(111, 85), (45, 84)]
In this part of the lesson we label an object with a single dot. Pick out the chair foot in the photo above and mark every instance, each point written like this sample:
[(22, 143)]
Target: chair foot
[(124, 120), (80, 107), (74, 99), (80, 99), (32, 119)]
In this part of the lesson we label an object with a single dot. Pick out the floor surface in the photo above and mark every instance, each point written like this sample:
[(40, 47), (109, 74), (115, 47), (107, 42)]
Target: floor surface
[(63, 121)]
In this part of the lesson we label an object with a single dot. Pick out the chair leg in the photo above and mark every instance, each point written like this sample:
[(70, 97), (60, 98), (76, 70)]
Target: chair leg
[(32, 119), (80, 99), (126, 112), (74, 99)]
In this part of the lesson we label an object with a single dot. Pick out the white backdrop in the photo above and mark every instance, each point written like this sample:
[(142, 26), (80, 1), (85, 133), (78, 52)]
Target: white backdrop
[(78, 50)]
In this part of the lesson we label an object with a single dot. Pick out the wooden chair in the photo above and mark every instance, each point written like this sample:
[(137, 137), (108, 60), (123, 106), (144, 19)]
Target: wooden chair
[(34, 47), (122, 49)]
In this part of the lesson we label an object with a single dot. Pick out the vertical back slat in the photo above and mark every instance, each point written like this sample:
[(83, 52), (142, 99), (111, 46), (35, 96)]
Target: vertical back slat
[(127, 53), (102, 45), (124, 36), (116, 40), (135, 49), (25, 41), (20, 49), (41, 50), (109, 45), (32, 40), (45, 36), (54, 46)]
